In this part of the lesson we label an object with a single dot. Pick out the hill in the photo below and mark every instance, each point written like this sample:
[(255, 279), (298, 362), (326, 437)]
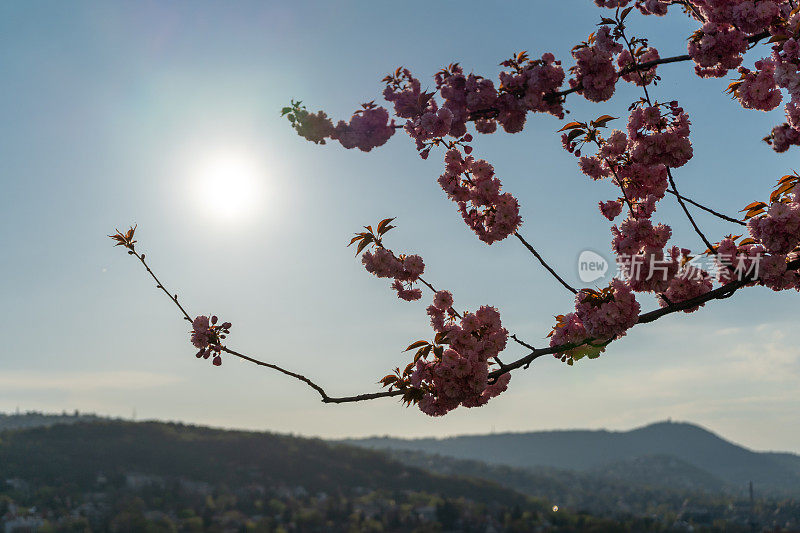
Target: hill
[(34, 419), (80, 452), (149, 476), (122, 476), (641, 451)]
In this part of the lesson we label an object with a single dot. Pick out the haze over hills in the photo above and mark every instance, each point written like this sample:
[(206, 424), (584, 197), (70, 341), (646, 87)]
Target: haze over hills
[(33, 419), (665, 455), (626, 453), (112, 472), (121, 476), (78, 452)]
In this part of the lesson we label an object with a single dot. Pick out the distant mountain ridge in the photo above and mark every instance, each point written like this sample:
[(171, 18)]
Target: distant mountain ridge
[(666, 455), (81, 452), (118, 472), (607, 451), (34, 419)]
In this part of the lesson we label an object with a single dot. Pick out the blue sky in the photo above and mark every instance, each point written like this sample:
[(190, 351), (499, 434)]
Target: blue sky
[(112, 111)]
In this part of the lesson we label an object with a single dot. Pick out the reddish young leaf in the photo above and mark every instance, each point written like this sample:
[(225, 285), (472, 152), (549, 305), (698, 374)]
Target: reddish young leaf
[(571, 125), (416, 345)]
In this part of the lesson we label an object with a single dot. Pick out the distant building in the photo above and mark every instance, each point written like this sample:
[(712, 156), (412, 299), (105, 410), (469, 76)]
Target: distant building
[(23, 523), (138, 481)]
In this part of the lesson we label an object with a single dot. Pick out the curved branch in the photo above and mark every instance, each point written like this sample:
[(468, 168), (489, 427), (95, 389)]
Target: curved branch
[(688, 214), (159, 285), (325, 397), (707, 209), (719, 293), (491, 112), (320, 390), (544, 263)]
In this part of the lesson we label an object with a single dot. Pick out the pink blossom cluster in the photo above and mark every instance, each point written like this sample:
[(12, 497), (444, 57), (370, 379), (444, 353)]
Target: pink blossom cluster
[(207, 335), (651, 270), (751, 16), (638, 165), (644, 186), (647, 7), (736, 262), (594, 69), (716, 49), (660, 139), (786, 60), (368, 128), (609, 313), (786, 73), (718, 46), (782, 137), (314, 127), (471, 183), (570, 330), (425, 120), (599, 318), (611, 154), (405, 270), (528, 87), (653, 7), (690, 282), (757, 89), (642, 77), (779, 228), (754, 262), (774, 274), (611, 209), (636, 235), (640, 249), (461, 375)]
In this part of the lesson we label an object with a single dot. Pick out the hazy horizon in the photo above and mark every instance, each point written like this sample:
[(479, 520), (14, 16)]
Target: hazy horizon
[(71, 413)]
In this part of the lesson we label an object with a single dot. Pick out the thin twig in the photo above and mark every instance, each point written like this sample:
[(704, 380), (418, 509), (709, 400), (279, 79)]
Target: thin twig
[(544, 263), (688, 214), (456, 313), (159, 285), (708, 209), (320, 390), (720, 293), (325, 397)]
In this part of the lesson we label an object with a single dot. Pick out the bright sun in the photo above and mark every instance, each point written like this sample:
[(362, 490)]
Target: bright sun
[(228, 183)]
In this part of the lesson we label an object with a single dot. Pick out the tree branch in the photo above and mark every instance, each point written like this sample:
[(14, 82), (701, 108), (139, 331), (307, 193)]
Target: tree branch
[(722, 292), (491, 112), (688, 214), (707, 209), (325, 397), (719, 293), (320, 390), (544, 263)]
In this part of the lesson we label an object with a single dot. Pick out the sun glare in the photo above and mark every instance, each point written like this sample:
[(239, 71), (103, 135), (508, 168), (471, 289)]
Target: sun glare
[(228, 183)]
